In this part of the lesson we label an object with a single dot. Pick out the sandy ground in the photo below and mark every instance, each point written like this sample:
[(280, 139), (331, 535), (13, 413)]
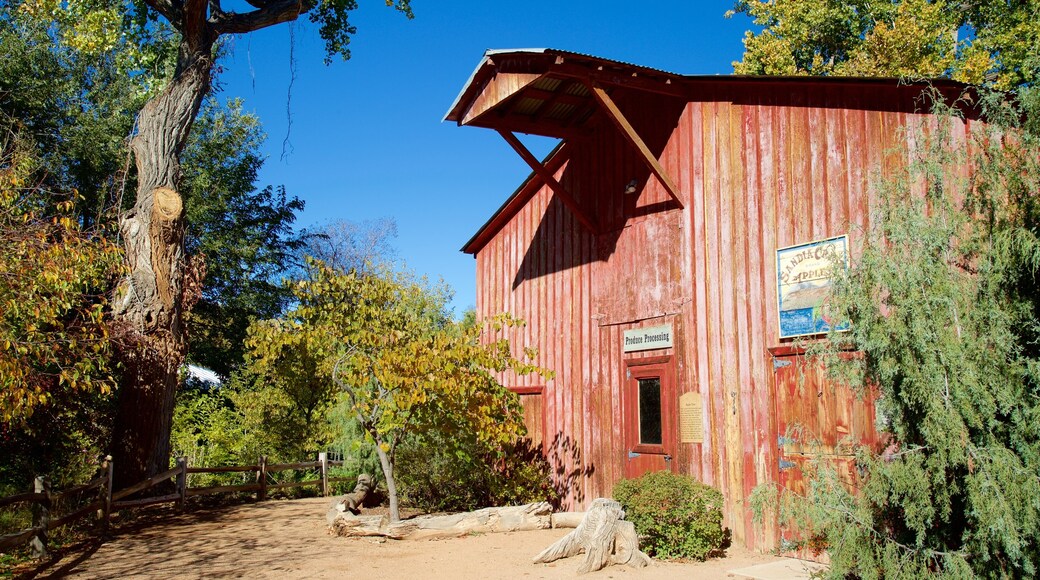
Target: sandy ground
[(289, 539)]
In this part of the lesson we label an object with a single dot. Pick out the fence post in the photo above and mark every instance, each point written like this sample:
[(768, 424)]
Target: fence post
[(106, 509), (261, 477), (182, 481), (41, 511), (323, 464)]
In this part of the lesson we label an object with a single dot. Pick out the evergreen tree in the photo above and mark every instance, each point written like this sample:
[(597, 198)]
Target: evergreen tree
[(943, 304)]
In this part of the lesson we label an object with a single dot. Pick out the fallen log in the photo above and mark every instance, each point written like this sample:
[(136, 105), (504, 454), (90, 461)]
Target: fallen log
[(604, 537), (535, 516)]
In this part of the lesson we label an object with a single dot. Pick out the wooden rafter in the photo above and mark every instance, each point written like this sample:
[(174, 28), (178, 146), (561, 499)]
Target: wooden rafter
[(550, 98), (629, 132), (645, 81), (546, 176)]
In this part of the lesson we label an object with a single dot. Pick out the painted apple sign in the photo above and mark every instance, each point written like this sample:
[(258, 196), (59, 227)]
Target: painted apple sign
[(803, 284)]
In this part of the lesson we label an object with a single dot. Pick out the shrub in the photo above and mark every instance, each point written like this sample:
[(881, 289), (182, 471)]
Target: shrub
[(438, 473), (675, 515)]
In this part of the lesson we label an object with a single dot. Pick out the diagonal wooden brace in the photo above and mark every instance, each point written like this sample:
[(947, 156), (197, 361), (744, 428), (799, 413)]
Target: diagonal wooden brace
[(630, 133), (546, 176)]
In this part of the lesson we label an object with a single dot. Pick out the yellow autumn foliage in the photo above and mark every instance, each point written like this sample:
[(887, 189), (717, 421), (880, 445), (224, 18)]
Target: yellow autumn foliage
[(53, 276)]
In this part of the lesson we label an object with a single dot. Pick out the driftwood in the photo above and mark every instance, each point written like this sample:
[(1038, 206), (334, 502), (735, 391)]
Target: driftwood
[(353, 501), (567, 519), (533, 516), (604, 537)]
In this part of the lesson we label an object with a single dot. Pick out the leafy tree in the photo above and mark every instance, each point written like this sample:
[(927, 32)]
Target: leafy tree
[(76, 88), (945, 309), (78, 107), (243, 419), (242, 234), (388, 341), (54, 276), (55, 344), (974, 41), (161, 279)]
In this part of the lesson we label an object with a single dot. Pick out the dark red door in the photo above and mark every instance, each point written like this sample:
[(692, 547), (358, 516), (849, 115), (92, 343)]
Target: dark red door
[(650, 415)]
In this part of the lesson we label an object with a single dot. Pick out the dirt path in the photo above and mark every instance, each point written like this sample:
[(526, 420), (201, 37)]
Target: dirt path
[(289, 539)]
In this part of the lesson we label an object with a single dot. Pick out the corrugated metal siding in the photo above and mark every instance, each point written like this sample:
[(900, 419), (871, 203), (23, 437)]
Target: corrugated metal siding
[(777, 167)]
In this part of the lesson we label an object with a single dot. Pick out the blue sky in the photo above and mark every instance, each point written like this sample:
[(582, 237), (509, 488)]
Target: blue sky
[(366, 137)]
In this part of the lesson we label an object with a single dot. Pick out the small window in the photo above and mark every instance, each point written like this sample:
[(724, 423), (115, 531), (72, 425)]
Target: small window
[(650, 411)]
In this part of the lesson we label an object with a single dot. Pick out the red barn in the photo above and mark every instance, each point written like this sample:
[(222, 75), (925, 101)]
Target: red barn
[(662, 257)]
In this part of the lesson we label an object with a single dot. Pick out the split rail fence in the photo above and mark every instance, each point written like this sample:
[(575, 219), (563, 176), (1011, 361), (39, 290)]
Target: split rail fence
[(42, 499)]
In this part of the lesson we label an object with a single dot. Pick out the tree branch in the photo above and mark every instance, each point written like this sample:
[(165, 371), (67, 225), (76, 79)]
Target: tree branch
[(216, 10), (170, 10), (271, 13)]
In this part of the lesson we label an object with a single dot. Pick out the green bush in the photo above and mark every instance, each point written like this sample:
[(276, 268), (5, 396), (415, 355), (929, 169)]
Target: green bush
[(439, 473), (675, 515)]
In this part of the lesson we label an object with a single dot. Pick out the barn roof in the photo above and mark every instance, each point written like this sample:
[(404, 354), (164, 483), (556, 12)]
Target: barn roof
[(563, 95)]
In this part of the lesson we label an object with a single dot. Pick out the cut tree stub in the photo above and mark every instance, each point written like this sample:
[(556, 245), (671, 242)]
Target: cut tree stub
[(603, 535), (353, 501)]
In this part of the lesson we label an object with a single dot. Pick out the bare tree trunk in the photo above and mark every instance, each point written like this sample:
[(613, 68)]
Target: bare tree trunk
[(150, 298), (391, 484)]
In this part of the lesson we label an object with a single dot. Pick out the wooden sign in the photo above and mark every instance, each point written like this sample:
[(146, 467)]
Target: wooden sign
[(647, 338), (803, 275), (691, 418)]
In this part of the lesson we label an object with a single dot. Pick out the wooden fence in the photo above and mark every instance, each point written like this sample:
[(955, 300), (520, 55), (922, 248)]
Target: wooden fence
[(109, 501)]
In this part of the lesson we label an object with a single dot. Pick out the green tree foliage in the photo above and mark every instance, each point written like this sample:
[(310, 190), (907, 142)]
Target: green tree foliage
[(77, 106), (975, 41), (244, 235), (388, 341), (78, 101), (945, 309), (245, 418), (161, 280)]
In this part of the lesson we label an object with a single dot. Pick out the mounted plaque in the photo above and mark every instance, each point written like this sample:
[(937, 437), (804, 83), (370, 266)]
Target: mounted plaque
[(691, 418), (647, 338)]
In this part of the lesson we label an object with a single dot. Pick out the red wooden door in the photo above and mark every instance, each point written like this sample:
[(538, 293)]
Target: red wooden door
[(649, 405), (816, 419), (532, 399)]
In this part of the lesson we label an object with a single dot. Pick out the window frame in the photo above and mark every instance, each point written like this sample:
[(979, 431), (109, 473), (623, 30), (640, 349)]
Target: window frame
[(645, 368)]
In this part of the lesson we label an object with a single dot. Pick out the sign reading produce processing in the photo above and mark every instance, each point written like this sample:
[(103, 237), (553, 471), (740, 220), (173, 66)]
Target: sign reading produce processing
[(803, 284)]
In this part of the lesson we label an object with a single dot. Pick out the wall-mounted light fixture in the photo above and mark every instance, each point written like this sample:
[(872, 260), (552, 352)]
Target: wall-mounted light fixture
[(631, 187)]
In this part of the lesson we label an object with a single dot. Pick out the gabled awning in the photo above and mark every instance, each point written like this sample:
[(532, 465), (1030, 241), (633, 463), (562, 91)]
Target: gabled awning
[(557, 94), (565, 95), (546, 91)]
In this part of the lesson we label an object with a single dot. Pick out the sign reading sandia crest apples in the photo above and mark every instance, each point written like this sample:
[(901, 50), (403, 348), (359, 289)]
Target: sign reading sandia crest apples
[(803, 284)]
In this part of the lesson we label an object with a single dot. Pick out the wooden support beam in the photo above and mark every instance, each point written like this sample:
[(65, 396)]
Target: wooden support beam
[(515, 123), (629, 132), (550, 180)]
